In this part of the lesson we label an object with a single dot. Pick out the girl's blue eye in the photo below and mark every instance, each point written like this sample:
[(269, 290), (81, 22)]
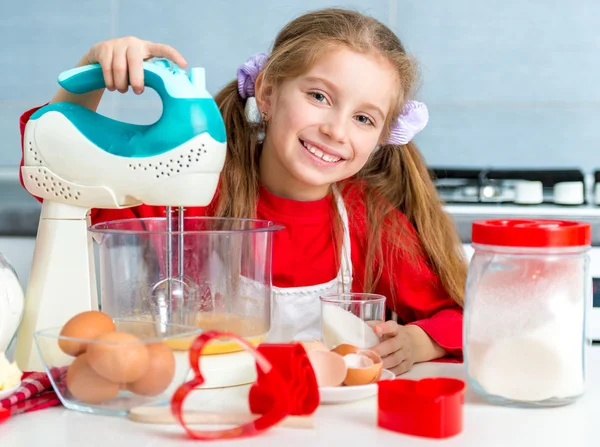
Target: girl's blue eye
[(364, 119), (318, 96)]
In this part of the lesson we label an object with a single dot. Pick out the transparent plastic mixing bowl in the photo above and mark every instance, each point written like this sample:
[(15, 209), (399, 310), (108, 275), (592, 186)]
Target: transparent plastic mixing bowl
[(222, 282)]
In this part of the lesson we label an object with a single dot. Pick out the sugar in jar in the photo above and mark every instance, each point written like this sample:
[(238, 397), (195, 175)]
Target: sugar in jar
[(527, 290)]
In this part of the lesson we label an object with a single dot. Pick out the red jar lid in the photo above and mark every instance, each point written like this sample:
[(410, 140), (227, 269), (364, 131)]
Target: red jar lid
[(531, 233)]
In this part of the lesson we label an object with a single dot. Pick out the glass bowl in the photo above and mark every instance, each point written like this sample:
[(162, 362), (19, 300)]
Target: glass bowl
[(139, 365)]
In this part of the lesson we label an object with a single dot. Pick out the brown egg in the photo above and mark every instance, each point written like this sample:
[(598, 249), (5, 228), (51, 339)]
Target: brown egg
[(364, 367), (119, 357), (88, 386), (345, 349), (86, 325), (160, 372), (330, 368)]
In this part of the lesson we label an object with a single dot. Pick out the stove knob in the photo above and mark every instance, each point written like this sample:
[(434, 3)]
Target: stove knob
[(529, 192), (470, 191), (568, 193)]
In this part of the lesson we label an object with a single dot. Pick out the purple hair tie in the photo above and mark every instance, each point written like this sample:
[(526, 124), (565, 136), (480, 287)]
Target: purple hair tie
[(247, 74), (411, 121)]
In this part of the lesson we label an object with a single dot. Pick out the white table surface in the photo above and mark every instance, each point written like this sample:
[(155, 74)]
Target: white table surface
[(351, 424)]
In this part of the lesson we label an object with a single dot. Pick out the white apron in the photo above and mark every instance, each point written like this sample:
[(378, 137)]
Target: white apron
[(296, 311)]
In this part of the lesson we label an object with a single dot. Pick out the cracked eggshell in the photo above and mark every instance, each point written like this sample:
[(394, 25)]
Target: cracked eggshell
[(330, 368), (314, 345), (345, 349), (364, 367)]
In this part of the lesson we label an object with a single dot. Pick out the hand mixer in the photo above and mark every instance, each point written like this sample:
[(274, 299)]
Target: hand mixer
[(76, 160)]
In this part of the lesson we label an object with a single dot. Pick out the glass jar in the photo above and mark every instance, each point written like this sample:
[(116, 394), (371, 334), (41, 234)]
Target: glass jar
[(527, 289)]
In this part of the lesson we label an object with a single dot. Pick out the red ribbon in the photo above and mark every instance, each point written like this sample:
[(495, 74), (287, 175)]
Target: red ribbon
[(293, 364), (286, 385)]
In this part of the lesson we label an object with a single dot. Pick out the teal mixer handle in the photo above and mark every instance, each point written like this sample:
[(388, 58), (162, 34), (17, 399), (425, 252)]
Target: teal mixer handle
[(166, 78), (188, 110)]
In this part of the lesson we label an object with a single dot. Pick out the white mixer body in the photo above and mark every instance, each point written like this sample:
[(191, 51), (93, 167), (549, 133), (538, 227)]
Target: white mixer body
[(78, 173)]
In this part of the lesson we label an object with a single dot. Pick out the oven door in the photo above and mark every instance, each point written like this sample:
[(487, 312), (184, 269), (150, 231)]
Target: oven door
[(593, 308)]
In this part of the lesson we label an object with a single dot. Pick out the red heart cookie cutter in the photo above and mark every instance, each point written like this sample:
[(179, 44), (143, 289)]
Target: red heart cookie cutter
[(431, 408)]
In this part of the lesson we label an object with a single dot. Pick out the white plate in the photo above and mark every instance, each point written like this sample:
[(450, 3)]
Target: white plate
[(344, 394), (9, 392)]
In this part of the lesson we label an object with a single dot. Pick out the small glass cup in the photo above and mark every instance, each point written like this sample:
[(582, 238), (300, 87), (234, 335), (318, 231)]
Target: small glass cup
[(348, 318)]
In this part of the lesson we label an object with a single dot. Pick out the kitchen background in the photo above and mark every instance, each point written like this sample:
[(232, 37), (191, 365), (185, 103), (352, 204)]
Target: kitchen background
[(509, 84)]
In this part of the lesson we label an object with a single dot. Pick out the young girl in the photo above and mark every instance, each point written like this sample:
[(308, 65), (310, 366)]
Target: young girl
[(319, 140)]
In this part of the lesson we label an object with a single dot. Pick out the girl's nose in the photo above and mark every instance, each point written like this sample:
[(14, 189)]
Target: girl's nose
[(335, 128)]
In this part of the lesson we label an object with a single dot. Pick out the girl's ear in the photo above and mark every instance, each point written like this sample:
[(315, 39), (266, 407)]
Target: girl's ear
[(263, 95)]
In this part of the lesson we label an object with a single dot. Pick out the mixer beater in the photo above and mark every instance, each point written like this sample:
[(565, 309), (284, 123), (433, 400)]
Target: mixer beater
[(166, 301)]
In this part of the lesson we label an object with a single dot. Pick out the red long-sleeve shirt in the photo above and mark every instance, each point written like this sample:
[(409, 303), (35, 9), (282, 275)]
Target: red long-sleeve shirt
[(304, 255)]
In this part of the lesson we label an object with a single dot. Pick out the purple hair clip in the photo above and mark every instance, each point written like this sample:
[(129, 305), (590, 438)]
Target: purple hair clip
[(411, 121), (247, 74), (246, 79)]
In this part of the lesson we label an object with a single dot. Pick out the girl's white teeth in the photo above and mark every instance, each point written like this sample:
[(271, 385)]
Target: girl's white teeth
[(319, 153)]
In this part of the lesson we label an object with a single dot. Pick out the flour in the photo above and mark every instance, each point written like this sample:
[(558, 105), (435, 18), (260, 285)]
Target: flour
[(338, 326), (540, 365), (10, 374), (525, 340)]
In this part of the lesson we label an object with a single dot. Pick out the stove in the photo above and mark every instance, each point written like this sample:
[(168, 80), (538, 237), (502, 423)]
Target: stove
[(472, 194), (514, 186)]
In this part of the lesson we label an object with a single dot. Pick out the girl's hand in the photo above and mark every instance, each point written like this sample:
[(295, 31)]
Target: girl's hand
[(122, 61), (396, 347), (403, 346)]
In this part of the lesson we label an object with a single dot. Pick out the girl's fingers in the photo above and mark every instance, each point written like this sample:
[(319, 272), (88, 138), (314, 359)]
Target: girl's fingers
[(166, 51), (105, 60), (135, 66), (119, 68)]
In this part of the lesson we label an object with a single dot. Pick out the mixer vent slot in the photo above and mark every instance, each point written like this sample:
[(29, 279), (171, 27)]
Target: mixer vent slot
[(35, 154), (51, 185), (171, 166)]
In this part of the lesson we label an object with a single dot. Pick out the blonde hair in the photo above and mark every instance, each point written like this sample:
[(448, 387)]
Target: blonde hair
[(394, 178)]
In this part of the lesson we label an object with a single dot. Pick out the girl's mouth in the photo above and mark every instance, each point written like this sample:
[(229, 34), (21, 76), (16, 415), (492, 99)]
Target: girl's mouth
[(318, 153)]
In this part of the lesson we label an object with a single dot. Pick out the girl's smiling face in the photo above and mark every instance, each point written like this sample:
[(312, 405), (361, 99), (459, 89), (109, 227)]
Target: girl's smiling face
[(323, 125)]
